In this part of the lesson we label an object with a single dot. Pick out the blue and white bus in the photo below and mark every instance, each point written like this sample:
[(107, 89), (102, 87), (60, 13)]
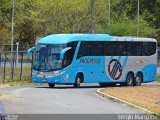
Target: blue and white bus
[(94, 58)]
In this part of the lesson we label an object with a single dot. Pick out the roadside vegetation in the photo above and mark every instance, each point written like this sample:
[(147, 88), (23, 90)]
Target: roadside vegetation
[(26, 75), (158, 77), (38, 18), (20, 83), (147, 97)]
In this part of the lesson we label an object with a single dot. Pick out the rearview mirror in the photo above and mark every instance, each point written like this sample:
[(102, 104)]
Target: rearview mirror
[(63, 52), (30, 50)]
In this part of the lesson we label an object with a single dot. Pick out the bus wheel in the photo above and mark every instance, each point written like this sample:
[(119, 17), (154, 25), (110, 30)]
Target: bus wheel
[(129, 80), (78, 81), (138, 80), (51, 85)]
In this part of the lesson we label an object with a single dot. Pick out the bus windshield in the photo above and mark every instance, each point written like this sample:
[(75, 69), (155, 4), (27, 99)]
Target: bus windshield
[(47, 57)]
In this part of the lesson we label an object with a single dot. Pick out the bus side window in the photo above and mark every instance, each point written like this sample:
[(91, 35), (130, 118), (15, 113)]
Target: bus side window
[(68, 57), (152, 48), (84, 49), (134, 48), (96, 49), (120, 49), (139, 48), (149, 48), (109, 49)]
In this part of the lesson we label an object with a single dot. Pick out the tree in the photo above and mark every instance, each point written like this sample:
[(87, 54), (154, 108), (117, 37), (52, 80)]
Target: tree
[(26, 22), (5, 16), (38, 18)]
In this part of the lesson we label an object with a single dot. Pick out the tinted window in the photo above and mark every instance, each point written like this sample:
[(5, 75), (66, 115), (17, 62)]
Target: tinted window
[(149, 48), (134, 48), (96, 49), (84, 49), (90, 49), (116, 48), (73, 45), (131, 48), (120, 49), (109, 48), (68, 57)]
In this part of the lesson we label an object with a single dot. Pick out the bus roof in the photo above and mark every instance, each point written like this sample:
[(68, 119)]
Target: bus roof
[(133, 38), (65, 38)]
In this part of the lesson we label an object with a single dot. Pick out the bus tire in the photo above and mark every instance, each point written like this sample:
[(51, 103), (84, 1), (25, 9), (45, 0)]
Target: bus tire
[(129, 79), (51, 85), (138, 80), (77, 81)]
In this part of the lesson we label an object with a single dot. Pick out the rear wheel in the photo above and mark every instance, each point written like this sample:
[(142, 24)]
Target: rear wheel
[(78, 81), (138, 80), (129, 79), (51, 85)]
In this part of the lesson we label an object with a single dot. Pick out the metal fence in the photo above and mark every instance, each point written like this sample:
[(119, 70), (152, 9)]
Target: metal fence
[(14, 66)]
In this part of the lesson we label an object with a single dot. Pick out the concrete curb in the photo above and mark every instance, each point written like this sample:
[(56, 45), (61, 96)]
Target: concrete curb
[(104, 95), (4, 86)]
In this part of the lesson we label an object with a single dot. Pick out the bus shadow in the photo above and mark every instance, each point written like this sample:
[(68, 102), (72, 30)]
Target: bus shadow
[(70, 87), (81, 87)]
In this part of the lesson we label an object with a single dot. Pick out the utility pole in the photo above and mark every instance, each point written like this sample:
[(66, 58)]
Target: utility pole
[(12, 25), (109, 8), (17, 49), (92, 17), (138, 19), (12, 64)]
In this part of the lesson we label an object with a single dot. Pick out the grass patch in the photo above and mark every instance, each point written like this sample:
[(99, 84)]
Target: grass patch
[(26, 73), (147, 97), (20, 83), (17, 83), (158, 77)]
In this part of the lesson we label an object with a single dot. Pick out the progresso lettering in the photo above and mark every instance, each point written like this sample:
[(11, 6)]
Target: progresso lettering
[(90, 61)]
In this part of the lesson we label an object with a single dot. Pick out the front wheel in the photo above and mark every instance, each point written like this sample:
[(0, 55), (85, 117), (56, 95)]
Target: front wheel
[(77, 81), (129, 79), (51, 85)]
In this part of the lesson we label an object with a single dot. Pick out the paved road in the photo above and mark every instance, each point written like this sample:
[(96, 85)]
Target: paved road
[(62, 99), (2, 109), (158, 70)]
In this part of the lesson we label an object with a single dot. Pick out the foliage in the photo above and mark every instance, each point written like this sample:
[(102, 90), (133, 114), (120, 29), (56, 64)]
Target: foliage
[(4, 36), (38, 18), (129, 28)]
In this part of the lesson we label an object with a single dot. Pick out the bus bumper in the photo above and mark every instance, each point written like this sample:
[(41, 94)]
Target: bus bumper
[(52, 77), (46, 80)]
